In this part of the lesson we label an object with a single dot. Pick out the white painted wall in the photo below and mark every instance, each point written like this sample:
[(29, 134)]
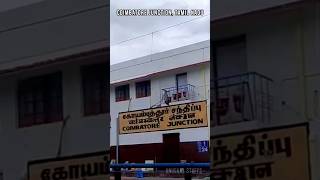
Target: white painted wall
[(228, 8), (274, 49), (279, 47), (198, 75), (179, 57), (20, 145), (25, 39), (53, 31)]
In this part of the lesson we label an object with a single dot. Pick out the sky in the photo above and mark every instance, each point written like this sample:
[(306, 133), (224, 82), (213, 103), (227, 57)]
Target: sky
[(127, 27)]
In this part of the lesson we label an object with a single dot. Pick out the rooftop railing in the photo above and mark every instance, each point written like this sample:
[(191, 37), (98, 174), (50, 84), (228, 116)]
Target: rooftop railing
[(244, 97), (179, 93)]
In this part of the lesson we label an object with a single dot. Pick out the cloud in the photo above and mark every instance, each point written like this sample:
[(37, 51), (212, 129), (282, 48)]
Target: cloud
[(124, 28)]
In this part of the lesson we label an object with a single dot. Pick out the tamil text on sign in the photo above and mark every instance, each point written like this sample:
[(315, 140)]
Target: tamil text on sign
[(190, 115), (273, 154), (89, 166)]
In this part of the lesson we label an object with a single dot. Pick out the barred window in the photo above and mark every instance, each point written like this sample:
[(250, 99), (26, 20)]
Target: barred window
[(95, 83), (122, 93), (40, 100), (143, 89)]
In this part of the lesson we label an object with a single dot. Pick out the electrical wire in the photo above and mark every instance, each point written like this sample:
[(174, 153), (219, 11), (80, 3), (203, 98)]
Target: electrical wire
[(159, 30), (79, 45), (61, 135), (53, 18)]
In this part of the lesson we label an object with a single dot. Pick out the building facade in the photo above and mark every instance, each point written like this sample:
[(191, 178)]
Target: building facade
[(146, 83), (264, 67), (46, 76)]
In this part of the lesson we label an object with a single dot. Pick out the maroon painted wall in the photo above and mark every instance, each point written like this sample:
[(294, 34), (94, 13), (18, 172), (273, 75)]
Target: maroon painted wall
[(140, 153)]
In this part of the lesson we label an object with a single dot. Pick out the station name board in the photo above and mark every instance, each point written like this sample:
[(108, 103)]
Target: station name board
[(181, 116), (277, 153), (92, 166)]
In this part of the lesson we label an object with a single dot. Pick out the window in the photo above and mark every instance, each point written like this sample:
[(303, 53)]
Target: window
[(229, 59), (122, 93), (143, 89), (181, 80), (95, 82), (40, 100), (231, 56), (181, 87)]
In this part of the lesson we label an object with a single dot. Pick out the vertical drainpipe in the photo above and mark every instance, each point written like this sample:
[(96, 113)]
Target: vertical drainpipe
[(203, 69), (301, 66), (204, 76), (313, 139)]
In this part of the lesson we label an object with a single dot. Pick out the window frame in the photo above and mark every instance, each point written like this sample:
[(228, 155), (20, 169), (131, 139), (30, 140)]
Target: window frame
[(89, 72), (117, 99), (215, 44), (51, 99), (146, 89)]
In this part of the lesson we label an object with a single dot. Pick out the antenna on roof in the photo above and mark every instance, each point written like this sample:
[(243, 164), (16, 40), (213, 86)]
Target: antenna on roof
[(151, 46)]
